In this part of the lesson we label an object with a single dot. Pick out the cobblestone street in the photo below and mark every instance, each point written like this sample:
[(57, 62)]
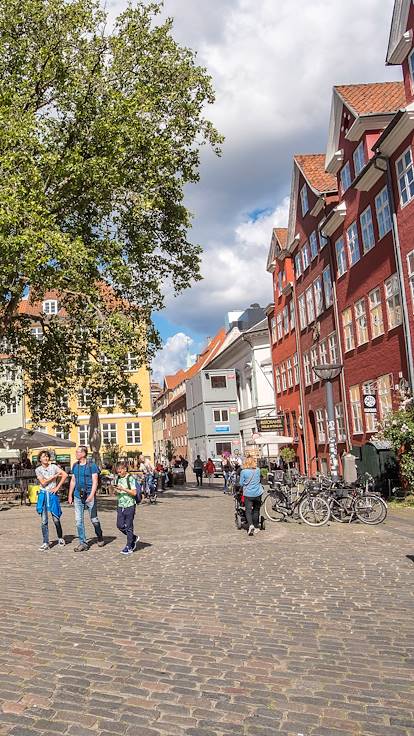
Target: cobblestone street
[(205, 631)]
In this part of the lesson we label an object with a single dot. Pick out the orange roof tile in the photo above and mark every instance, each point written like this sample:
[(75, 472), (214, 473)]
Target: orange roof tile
[(312, 167), (365, 99), (281, 233)]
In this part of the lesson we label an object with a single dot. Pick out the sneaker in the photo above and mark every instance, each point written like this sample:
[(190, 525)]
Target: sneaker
[(82, 547), (44, 547), (251, 530), (61, 542), (101, 543), (136, 540), (256, 530), (126, 550)]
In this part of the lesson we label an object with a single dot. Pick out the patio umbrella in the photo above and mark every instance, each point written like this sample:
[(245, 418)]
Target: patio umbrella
[(20, 438)]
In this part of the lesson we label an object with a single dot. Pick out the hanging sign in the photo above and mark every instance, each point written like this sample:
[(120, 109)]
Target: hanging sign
[(370, 404)]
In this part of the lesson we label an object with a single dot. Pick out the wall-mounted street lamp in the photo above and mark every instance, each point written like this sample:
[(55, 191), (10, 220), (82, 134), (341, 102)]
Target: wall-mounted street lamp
[(328, 373)]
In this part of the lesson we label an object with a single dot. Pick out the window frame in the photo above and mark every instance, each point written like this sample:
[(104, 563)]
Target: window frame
[(296, 372), (321, 429), (328, 302), (304, 200), (306, 259), (50, 312), (314, 359), (341, 259), (359, 161), (403, 175), (395, 299), (340, 422), (410, 273), (131, 428), (324, 354), (348, 330), (356, 410), (313, 241), (292, 314), (358, 316), (111, 433), (367, 227), (381, 207), (310, 304), (218, 388), (353, 244), (289, 372), (303, 314), (220, 412), (381, 394), (378, 305), (345, 185), (307, 369), (318, 296), (298, 265)]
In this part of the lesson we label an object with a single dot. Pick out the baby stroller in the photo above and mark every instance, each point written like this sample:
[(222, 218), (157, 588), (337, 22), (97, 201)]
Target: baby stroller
[(240, 510)]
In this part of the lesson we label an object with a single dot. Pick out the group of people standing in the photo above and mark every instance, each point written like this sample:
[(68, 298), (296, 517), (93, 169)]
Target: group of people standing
[(82, 495)]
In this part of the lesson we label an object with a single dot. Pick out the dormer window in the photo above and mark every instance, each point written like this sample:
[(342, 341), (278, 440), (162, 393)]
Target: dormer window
[(345, 177), (411, 68), (359, 158), (50, 306), (304, 200)]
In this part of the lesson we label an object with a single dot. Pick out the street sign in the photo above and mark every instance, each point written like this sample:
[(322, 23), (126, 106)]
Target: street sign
[(370, 403), (270, 424)]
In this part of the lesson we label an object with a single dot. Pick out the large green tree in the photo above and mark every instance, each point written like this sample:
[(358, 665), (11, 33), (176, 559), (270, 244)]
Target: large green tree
[(100, 131)]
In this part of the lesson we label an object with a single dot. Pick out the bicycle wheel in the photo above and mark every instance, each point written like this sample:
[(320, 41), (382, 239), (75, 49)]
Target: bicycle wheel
[(341, 509), (371, 509), (314, 510), (271, 509)]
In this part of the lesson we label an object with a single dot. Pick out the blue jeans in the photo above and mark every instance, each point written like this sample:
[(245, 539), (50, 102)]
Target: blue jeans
[(45, 525), (80, 508)]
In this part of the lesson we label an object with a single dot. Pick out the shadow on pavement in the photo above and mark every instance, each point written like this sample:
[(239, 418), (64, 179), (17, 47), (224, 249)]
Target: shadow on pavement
[(108, 540), (410, 557)]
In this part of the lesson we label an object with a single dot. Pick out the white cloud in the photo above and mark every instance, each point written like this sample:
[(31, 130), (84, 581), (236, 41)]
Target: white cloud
[(172, 356), (273, 66)]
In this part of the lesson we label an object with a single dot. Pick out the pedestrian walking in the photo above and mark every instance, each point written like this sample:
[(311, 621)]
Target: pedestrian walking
[(210, 470), (82, 492), (198, 470), (126, 489), (252, 491), (50, 477), (227, 468)]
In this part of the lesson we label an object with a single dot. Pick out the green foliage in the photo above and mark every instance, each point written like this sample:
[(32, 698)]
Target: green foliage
[(99, 133), (398, 429), (112, 454), (288, 455)]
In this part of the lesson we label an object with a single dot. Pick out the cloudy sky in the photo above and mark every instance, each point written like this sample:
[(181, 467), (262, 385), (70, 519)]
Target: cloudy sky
[(273, 63)]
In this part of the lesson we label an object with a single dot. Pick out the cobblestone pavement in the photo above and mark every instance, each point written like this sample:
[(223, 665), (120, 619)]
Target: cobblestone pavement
[(205, 631)]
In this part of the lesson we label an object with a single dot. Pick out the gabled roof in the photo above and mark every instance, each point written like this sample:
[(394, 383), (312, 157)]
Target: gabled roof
[(400, 40), (371, 99), (278, 242), (208, 353), (372, 105), (312, 166), (281, 234), (170, 382)]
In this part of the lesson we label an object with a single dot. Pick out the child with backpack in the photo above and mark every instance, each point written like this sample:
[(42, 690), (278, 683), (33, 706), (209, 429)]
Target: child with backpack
[(128, 497)]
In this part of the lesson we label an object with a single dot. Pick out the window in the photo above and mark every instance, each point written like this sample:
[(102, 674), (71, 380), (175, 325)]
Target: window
[(133, 433), (411, 67), (333, 348), (341, 256), (307, 369), (109, 434), (273, 329), (286, 320), (292, 314), (131, 362), (393, 301), (321, 426), (283, 373), (62, 433), (345, 177), (305, 256), (277, 374), (361, 322), (348, 327), (327, 286), (382, 207), (313, 242), (221, 415), (302, 312), (218, 382), (323, 352), (304, 200), (370, 419), (314, 361), (376, 317), (385, 384), (353, 244), (296, 368), (405, 176), (11, 406), (322, 240), (298, 265), (280, 282), (37, 332), (340, 423), (317, 288), (84, 398), (410, 268), (356, 409), (359, 158), (109, 401), (223, 447), (289, 373), (84, 434), (310, 304), (367, 228), (50, 306), (279, 326)]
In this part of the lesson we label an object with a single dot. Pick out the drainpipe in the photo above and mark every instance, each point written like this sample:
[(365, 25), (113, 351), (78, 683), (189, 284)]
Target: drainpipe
[(398, 261), (301, 379)]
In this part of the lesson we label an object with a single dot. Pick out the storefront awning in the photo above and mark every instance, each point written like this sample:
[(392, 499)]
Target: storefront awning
[(269, 438)]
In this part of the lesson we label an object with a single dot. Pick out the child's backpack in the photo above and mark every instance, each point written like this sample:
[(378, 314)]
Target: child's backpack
[(138, 487)]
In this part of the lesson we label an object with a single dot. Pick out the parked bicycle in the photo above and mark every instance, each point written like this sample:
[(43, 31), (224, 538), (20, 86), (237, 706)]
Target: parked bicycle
[(304, 501)]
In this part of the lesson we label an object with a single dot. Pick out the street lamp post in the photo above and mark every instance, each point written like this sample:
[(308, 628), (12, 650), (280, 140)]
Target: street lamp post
[(328, 373)]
